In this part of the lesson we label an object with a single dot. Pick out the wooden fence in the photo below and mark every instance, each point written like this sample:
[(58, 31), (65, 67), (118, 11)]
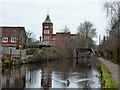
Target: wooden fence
[(11, 52)]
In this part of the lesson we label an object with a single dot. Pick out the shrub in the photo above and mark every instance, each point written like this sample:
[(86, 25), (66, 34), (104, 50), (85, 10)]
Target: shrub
[(31, 51)]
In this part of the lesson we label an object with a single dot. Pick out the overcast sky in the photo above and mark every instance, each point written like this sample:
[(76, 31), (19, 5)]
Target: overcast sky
[(31, 14)]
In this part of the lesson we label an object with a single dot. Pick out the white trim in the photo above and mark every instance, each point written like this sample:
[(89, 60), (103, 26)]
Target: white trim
[(13, 39), (5, 39), (46, 27), (47, 31)]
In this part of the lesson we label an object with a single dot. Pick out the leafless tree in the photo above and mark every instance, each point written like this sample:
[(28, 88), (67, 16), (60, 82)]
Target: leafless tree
[(66, 29), (86, 32), (110, 45), (112, 10), (87, 29), (113, 14), (30, 38)]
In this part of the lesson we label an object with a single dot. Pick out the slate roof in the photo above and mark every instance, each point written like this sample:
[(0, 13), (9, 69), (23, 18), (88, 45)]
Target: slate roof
[(47, 20), (11, 31)]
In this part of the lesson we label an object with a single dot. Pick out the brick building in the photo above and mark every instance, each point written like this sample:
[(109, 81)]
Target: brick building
[(13, 42), (50, 38), (47, 30), (13, 37)]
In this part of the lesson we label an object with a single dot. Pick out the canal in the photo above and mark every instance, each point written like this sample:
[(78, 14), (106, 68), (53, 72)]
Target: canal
[(52, 74)]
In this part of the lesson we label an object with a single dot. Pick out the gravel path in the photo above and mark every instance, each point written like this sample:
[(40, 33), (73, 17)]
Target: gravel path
[(113, 69)]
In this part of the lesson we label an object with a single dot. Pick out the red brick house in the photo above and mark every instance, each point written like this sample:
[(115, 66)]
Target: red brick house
[(13, 37), (47, 33), (47, 30), (13, 42)]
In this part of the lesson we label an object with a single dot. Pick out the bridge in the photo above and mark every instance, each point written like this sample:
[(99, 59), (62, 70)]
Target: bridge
[(84, 54)]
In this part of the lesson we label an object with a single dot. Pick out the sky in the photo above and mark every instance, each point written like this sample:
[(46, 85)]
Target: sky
[(32, 13)]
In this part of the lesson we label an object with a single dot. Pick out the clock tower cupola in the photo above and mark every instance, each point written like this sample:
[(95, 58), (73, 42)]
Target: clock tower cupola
[(47, 30)]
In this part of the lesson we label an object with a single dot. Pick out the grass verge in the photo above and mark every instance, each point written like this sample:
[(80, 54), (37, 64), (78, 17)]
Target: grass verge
[(109, 82)]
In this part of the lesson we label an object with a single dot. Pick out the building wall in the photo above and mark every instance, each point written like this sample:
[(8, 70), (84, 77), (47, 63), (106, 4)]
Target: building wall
[(9, 32), (63, 44), (47, 32)]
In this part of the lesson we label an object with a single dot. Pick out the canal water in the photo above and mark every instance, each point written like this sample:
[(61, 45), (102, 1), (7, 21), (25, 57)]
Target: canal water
[(53, 74)]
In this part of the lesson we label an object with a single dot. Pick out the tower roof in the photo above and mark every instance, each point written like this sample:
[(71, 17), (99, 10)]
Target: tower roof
[(47, 20)]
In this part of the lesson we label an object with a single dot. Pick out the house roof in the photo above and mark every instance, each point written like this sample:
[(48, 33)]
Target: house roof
[(11, 31), (62, 32), (47, 20)]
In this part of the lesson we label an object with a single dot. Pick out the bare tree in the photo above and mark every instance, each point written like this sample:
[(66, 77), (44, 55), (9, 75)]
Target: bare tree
[(113, 13), (86, 29), (86, 33), (66, 29), (113, 10), (110, 45), (30, 38), (63, 44)]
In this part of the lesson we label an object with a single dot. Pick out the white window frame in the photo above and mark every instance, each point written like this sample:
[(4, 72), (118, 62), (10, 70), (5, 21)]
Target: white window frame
[(46, 31), (46, 37), (3, 39), (13, 39), (46, 27)]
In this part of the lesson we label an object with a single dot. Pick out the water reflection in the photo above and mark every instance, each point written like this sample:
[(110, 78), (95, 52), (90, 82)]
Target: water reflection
[(56, 74)]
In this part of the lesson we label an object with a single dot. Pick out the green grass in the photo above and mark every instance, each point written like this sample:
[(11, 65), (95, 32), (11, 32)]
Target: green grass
[(109, 81)]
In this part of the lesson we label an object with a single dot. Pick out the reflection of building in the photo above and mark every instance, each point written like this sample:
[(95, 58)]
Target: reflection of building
[(46, 79), (12, 79)]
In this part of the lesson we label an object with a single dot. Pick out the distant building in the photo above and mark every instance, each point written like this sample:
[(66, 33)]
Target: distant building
[(65, 43), (13, 37), (13, 42), (49, 37), (47, 30)]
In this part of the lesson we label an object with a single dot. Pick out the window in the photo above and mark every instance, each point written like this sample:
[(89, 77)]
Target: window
[(46, 31), (46, 37), (54, 38), (5, 39), (46, 27), (13, 39)]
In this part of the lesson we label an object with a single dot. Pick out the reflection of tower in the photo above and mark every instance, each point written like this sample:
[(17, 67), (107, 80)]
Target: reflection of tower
[(47, 30), (46, 80)]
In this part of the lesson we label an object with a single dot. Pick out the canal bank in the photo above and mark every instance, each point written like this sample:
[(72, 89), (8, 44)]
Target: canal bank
[(110, 71), (39, 56)]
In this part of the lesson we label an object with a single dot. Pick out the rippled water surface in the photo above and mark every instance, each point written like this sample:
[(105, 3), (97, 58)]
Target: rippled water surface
[(54, 74)]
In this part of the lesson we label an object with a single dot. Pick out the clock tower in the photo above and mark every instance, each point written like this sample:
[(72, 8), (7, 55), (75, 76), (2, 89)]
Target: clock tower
[(47, 30)]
